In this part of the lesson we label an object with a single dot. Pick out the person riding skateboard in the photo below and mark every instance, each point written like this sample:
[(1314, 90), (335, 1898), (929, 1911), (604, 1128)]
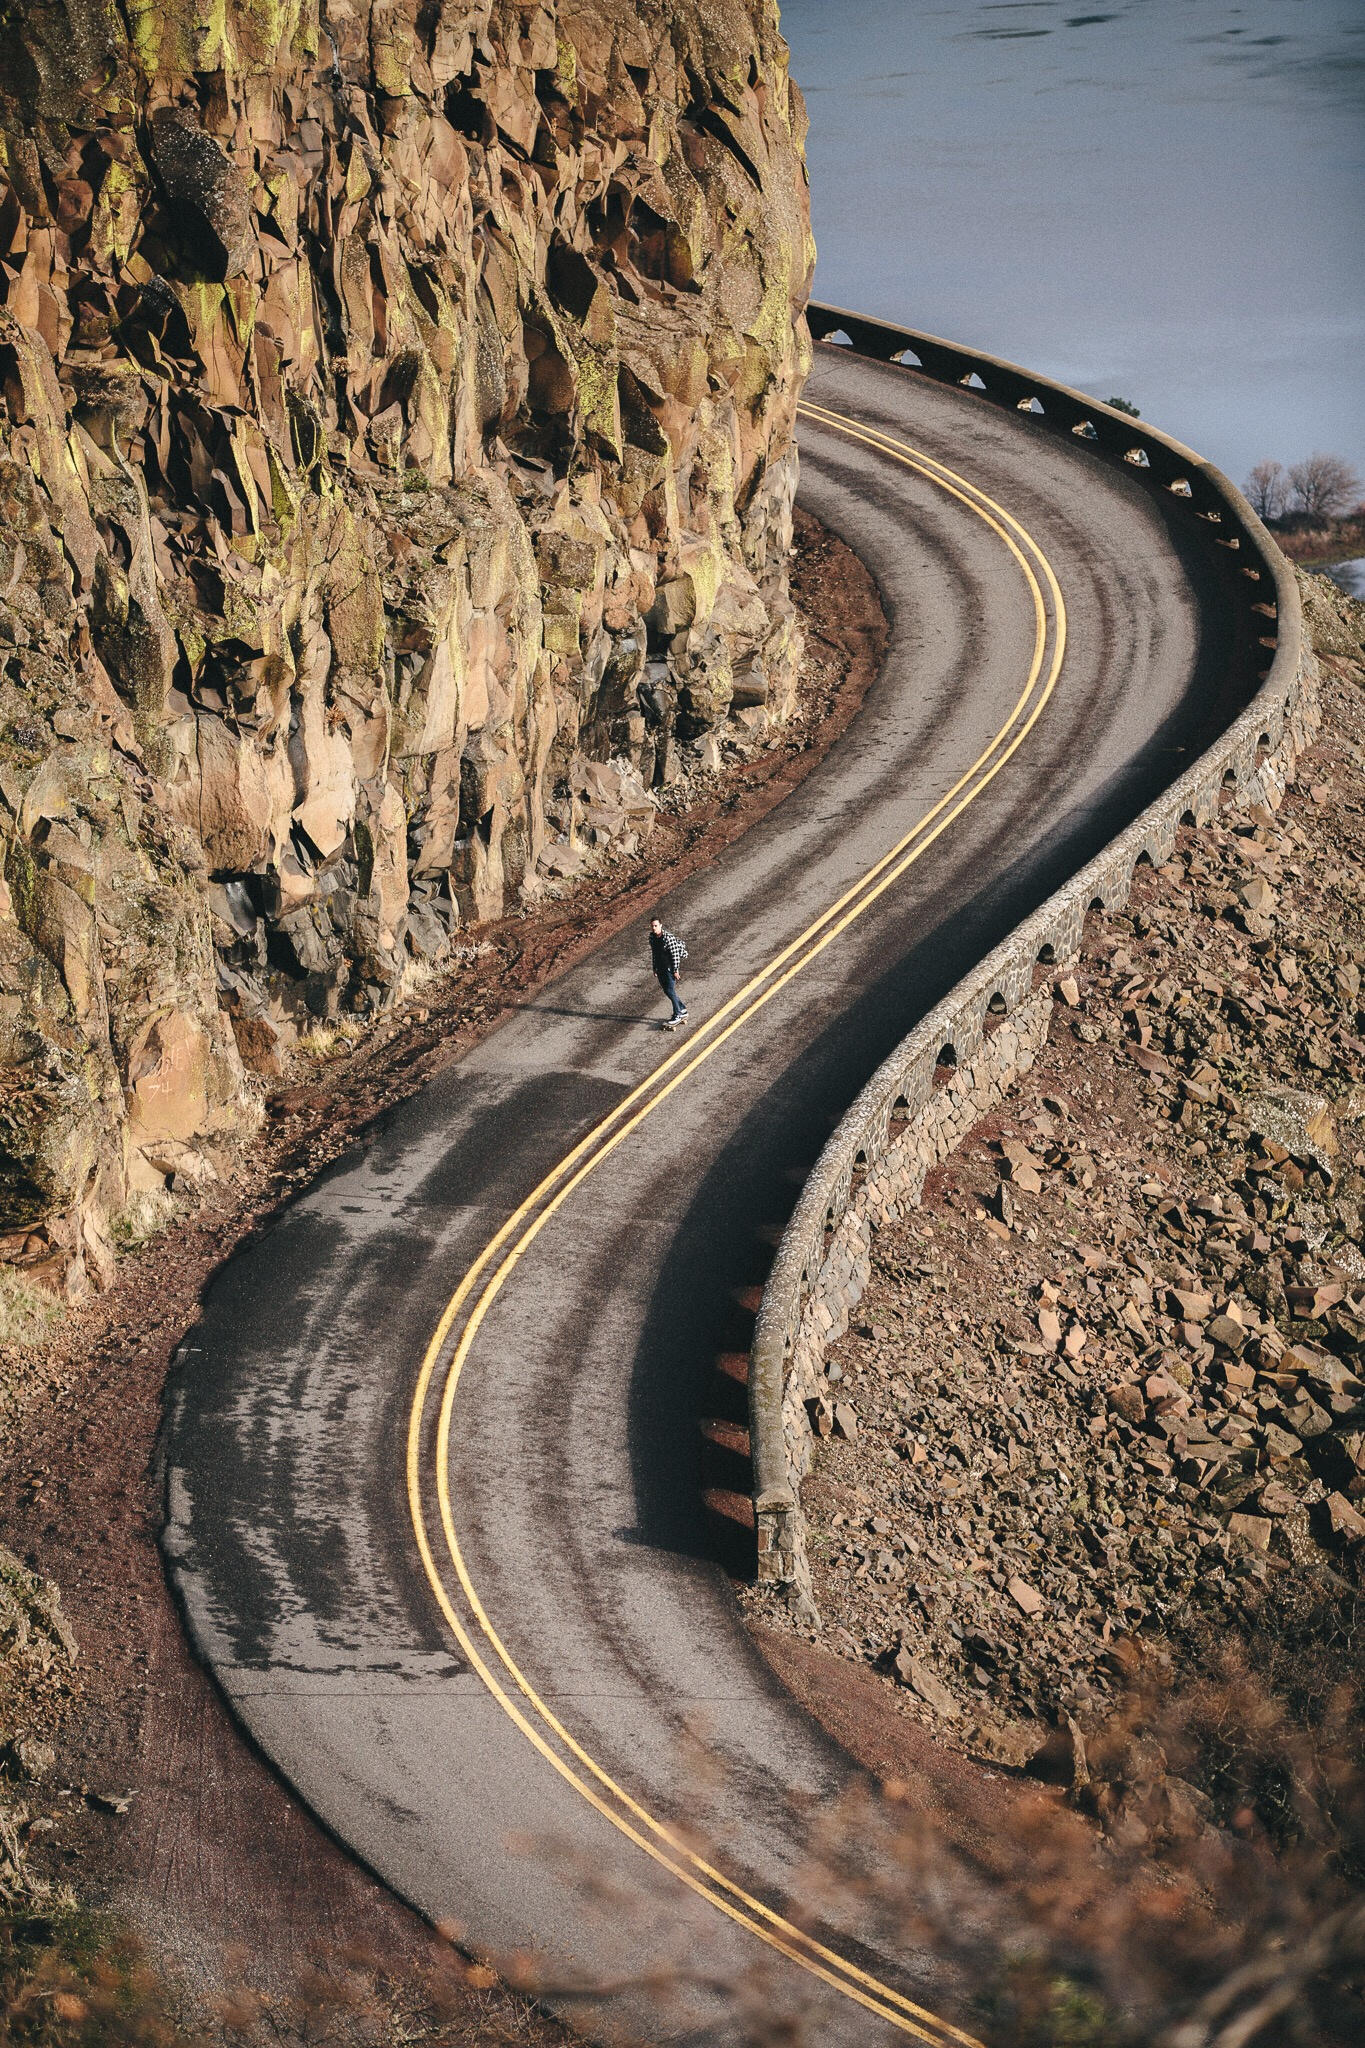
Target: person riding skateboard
[(668, 952)]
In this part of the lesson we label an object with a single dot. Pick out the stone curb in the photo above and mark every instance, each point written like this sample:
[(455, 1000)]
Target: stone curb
[(959, 1061)]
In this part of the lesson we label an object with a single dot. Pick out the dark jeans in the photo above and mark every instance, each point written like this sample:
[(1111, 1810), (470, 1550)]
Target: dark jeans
[(670, 989)]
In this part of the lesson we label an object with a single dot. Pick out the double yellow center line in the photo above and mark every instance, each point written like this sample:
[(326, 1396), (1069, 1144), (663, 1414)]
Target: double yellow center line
[(481, 1285)]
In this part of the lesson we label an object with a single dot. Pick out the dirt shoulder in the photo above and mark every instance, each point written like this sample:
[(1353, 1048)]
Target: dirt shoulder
[(136, 1787), (1096, 1517)]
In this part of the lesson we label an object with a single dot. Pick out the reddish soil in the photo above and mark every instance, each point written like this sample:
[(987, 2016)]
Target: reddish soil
[(976, 1810), (228, 1878)]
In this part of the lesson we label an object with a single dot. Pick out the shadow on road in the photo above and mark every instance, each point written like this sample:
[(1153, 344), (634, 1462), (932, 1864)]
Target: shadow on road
[(589, 1016), (691, 1491)]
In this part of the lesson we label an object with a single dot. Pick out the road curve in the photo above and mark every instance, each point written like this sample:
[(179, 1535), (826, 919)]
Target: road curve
[(507, 1669)]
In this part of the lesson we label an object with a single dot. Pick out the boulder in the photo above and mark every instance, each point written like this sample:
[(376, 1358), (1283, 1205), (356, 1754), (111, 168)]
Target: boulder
[(1299, 1121), (209, 200), (925, 1683)]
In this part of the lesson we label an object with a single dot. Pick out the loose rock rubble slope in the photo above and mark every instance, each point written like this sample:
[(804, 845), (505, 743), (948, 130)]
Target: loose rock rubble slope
[(395, 463), (1103, 1401)]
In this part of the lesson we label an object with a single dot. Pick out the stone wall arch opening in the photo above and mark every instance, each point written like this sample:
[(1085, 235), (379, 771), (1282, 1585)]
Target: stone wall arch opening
[(945, 1065), (1044, 964)]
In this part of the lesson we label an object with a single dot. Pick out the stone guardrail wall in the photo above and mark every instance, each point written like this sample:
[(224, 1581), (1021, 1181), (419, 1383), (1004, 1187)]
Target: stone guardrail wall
[(990, 1027)]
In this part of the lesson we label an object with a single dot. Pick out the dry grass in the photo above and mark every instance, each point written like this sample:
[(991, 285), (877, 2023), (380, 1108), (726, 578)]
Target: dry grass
[(330, 1041), (78, 1979), (418, 976), (28, 1314), (1127, 1914), (250, 1107), (145, 1217)]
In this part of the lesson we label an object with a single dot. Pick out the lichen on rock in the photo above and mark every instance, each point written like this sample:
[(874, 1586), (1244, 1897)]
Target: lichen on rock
[(396, 412)]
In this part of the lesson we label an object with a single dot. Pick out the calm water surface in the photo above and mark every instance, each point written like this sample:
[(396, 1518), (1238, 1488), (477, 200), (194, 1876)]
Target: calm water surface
[(1163, 199)]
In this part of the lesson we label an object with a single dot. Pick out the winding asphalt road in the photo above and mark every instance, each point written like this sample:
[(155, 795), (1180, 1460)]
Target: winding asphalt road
[(496, 1653)]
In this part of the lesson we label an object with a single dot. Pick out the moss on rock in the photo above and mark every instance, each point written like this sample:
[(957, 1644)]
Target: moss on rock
[(375, 396)]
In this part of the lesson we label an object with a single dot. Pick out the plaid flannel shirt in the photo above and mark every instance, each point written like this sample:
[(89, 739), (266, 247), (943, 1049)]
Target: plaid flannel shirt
[(668, 950)]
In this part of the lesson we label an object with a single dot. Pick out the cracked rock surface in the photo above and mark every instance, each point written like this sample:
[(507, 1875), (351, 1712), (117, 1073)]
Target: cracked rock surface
[(395, 495)]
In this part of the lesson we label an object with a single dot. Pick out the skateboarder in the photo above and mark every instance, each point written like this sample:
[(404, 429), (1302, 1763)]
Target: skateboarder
[(668, 952)]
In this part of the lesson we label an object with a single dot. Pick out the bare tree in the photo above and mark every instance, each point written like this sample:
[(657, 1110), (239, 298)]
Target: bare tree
[(1268, 489), (1324, 486)]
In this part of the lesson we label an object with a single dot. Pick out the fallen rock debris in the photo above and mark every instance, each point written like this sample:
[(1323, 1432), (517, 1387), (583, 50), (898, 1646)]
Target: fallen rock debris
[(1106, 1386)]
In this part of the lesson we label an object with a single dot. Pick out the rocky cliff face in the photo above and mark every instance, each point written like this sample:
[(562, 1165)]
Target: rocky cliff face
[(397, 401)]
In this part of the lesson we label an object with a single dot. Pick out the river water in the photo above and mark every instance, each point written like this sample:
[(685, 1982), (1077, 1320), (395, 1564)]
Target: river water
[(1159, 199)]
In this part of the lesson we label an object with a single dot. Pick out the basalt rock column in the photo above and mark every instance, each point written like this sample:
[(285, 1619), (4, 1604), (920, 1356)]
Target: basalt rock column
[(395, 413)]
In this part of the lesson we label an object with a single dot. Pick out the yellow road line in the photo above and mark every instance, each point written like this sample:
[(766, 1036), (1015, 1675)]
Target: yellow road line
[(926, 465), (583, 1160), (464, 1349)]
